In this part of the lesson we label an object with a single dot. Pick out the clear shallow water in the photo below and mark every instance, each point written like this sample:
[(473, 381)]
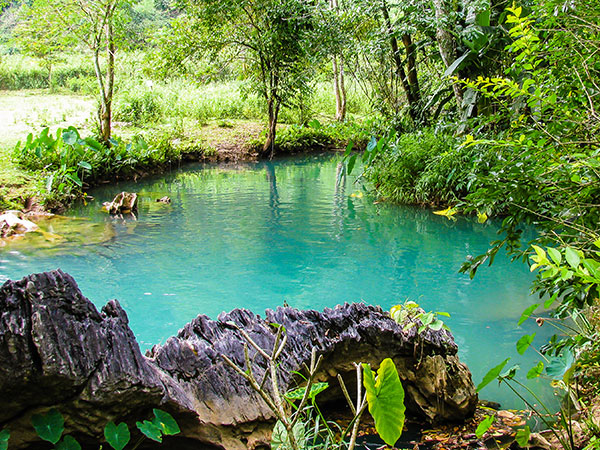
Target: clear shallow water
[(257, 235)]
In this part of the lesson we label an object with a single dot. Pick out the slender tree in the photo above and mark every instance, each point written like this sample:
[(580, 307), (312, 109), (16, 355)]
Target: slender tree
[(276, 41), (339, 87), (92, 23)]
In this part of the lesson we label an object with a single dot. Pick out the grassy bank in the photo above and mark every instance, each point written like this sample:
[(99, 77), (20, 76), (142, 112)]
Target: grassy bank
[(54, 172)]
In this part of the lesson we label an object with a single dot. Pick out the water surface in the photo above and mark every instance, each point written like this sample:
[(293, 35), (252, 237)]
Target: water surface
[(292, 230)]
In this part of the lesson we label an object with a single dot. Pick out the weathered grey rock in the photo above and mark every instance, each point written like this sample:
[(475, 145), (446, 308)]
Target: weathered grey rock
[(56, 349)]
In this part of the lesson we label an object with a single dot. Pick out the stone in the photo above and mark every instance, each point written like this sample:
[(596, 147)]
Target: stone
[(164, 199), (57, 350), (123, 203), (13, 223)]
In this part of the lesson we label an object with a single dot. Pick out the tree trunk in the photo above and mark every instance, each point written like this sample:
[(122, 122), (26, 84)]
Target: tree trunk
[(413, 79), (273, 105), (338, 80), (106, 126), (412, 106), (446, 43)]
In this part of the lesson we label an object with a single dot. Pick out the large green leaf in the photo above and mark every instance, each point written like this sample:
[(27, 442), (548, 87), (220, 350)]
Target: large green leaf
[(483, 426), (4, 437), (535, 371), (351, 163), (117, 436), (524, 343), (522, 436), (527, 313), (70, 137), (315, 389), (279, 437), (492, 375), (572, 257), (560, 366), (150, 430), (165, 422), (68, 443), (385, 397), (49, 426)]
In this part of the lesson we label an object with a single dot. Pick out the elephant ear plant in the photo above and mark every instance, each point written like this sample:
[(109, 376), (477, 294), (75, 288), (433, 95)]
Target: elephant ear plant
[(300, 424), (50, 427)]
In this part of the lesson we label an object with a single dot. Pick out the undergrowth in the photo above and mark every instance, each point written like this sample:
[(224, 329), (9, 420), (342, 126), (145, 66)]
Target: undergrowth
[(426, 167)]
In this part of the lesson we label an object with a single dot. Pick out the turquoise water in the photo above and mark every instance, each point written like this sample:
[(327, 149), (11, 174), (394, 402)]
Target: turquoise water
[(256, 235)]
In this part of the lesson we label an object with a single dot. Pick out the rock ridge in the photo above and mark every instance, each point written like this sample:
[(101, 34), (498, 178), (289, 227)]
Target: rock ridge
[(57, 350)]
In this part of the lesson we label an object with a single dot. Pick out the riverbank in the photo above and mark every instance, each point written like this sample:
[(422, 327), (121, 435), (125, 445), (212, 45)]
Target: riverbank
[(164, 145)]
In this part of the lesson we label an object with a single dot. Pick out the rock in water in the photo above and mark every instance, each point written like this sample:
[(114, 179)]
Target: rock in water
[(13, 223), (123, 203), (57, 350)]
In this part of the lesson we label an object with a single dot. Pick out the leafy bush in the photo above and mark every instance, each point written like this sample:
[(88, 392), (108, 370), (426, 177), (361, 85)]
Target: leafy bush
[(18, 72), (70, 160), (140, 107), (426, 167), (298, 138)]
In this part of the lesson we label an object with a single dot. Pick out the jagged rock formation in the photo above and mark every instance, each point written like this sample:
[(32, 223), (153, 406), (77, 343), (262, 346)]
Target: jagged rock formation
[(57, 350)]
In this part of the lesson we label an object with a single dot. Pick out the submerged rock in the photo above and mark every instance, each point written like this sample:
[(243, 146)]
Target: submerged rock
[(123, 203), (14, 223), (57, 350)]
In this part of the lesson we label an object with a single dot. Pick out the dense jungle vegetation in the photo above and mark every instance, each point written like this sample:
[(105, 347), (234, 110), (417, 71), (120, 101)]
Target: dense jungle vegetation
[(488, 108)]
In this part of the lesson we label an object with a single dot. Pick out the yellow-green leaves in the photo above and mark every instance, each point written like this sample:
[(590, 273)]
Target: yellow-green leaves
[(535, 371), (448, 212), (522, 436), (385, 397), (527, 313), (483, 426)]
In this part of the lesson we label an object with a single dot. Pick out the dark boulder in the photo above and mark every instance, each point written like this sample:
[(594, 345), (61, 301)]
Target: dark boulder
[(57, 350)]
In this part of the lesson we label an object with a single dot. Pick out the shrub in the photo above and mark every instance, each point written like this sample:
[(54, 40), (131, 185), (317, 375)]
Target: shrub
[(426, 167)]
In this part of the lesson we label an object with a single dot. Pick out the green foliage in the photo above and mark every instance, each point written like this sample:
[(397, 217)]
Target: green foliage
[(70, 160), (524, 342), (49, 426), (4, 437), (150, 430), (385, 396), (426, 167), (492, 374), (117, 436), (522, 436), (409, 315), (280, 440), (483, 426), (68, 443), (165, 421), (298, 393), (297, 138), (69, 71)]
